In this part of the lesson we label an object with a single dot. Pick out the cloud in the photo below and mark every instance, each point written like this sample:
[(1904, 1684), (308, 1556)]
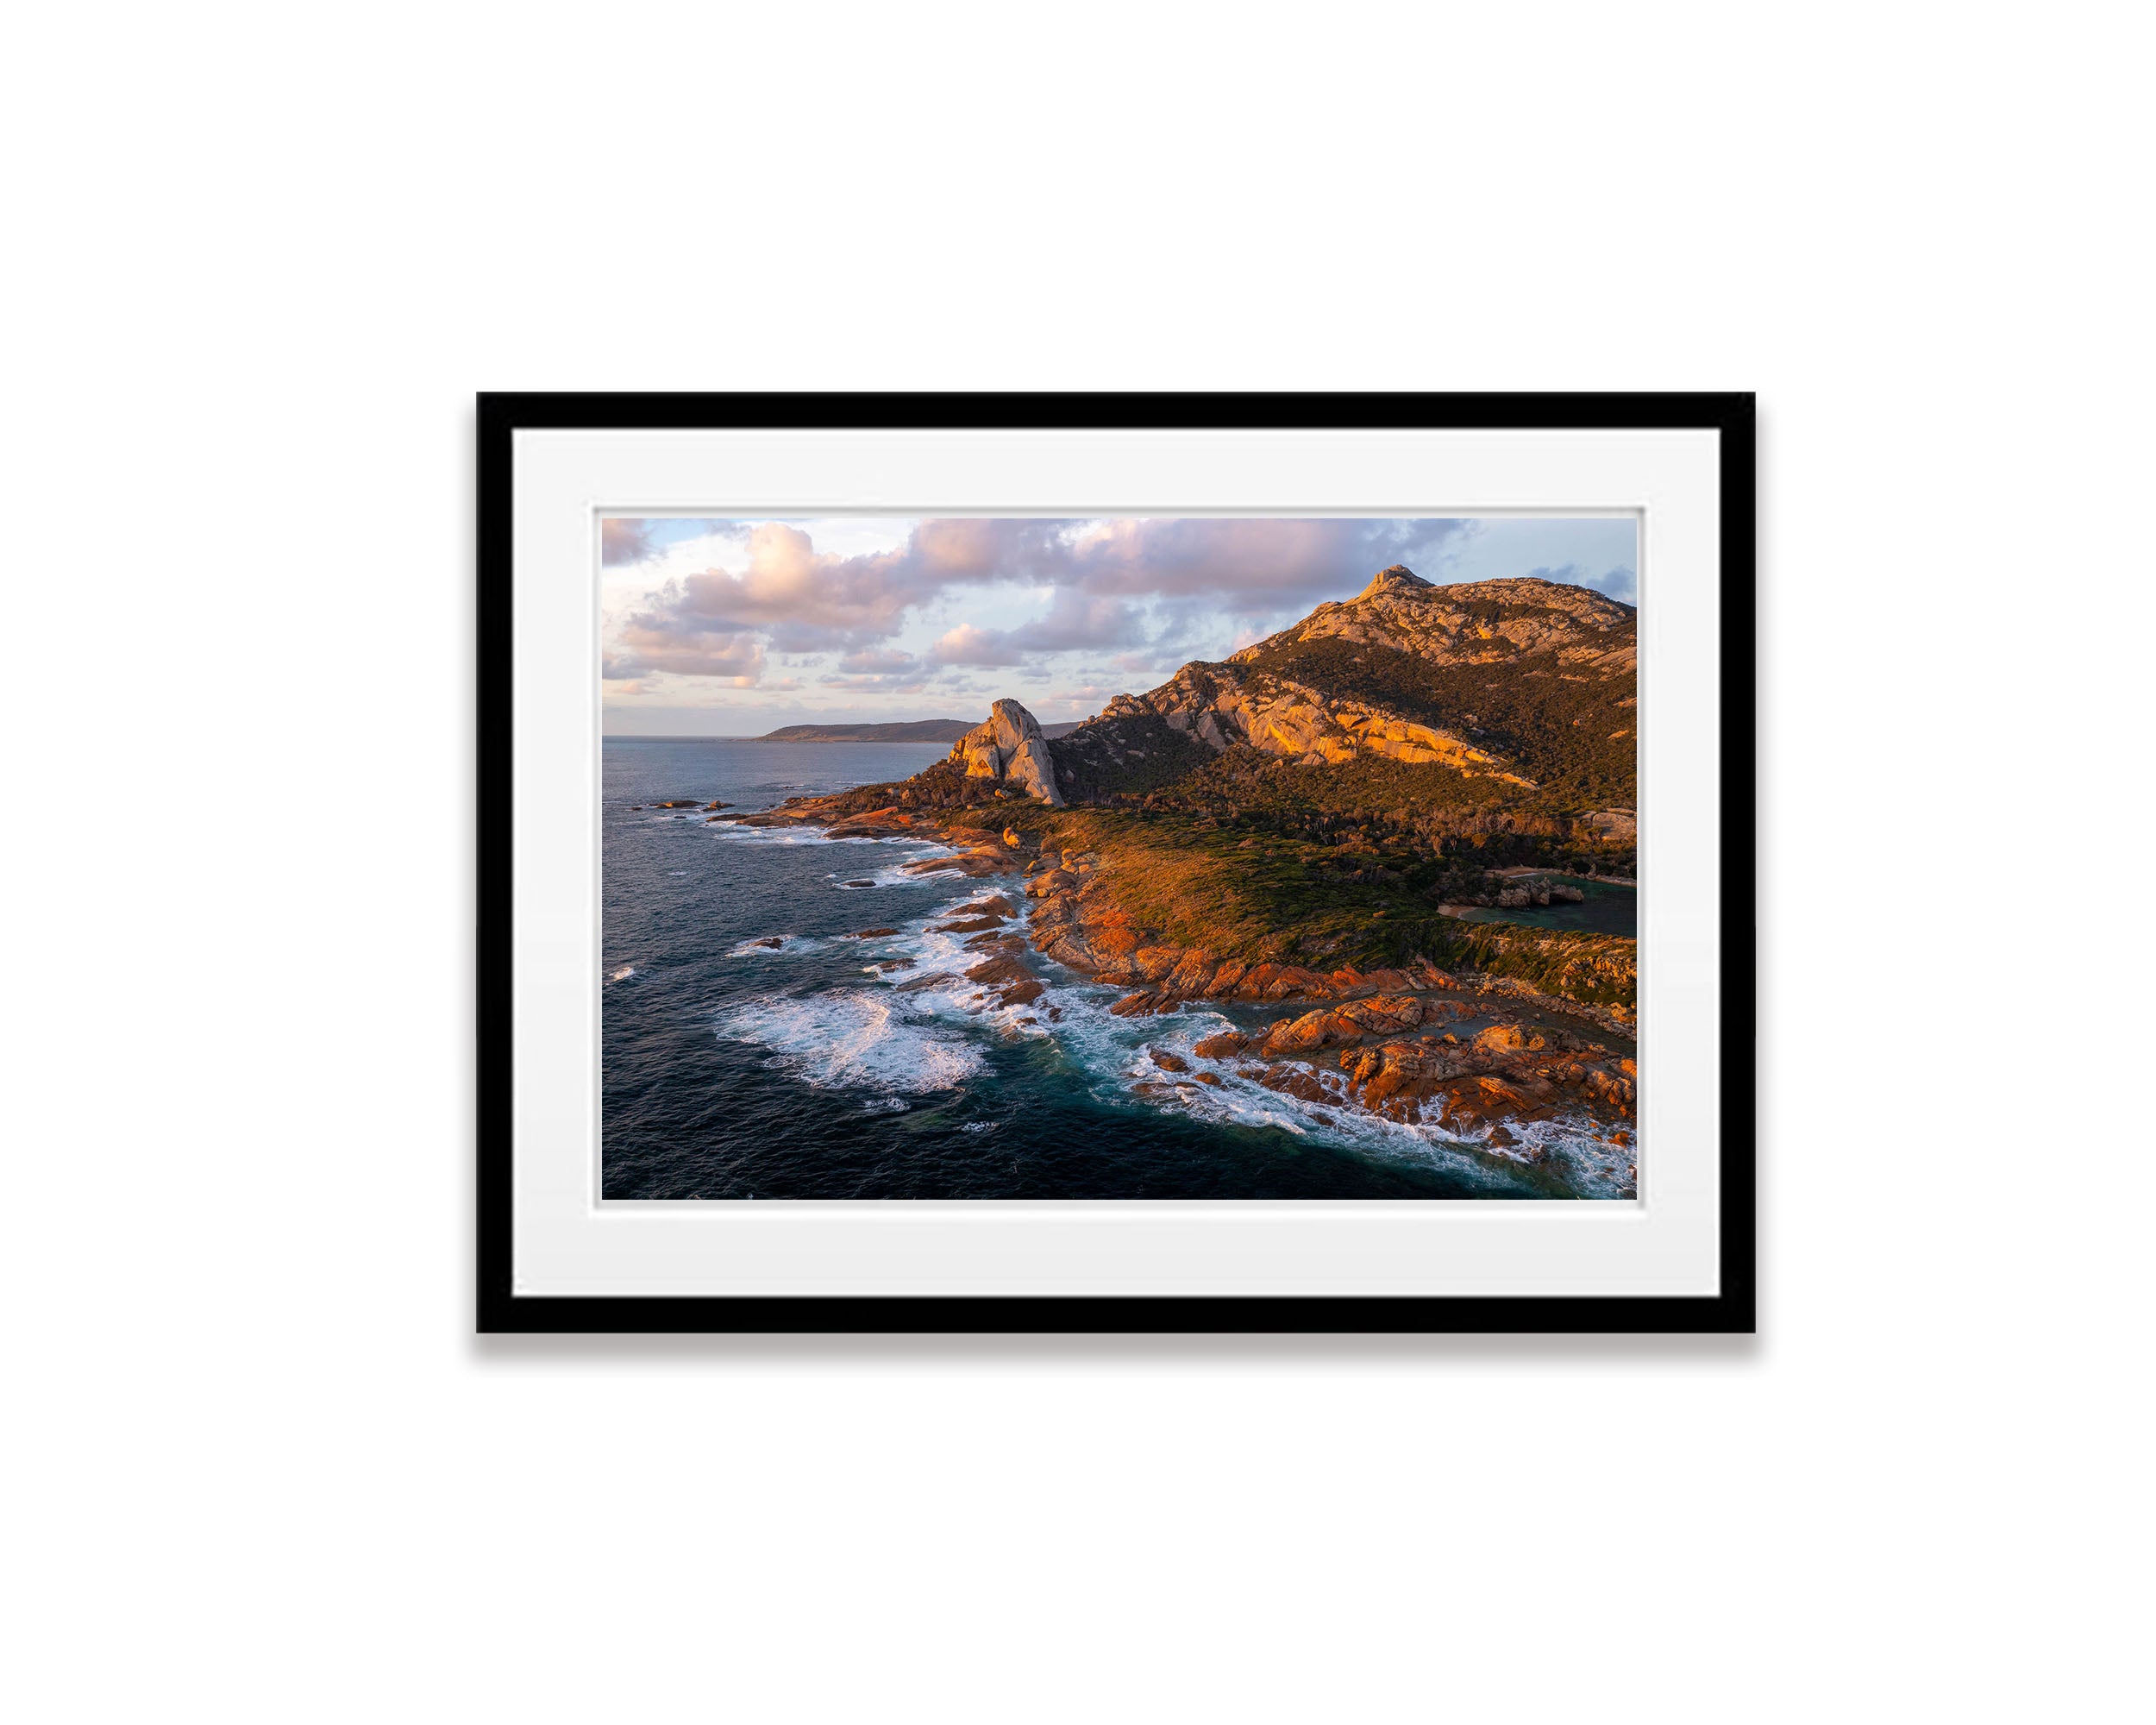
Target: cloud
[(810, 601), (881, 660), (623, 540), (1621, 583), (1263, 563), (1150, 586), (878, 669), (968, 645), (1075, 619), (653, 641), (900, 683), (805, 601), (983, 549)]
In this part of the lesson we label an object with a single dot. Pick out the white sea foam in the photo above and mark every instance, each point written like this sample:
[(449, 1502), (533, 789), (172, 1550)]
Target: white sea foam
[(893, 873), (881, 874), (792, 943), (1581, 1152), (854, 1038), (784, 835), (902, 876), (789, 836)]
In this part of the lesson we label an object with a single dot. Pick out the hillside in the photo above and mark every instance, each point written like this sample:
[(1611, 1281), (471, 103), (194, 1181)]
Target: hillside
[(1524, 683), (1329, 796), (1454, 729)]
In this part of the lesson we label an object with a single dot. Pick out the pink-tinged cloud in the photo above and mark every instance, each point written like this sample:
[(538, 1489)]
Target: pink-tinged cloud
[(1075, 619), (968, 645), (623, 540), (1196, 572), (879, 661), (876, 685), (809, 601), (1267, 560), (645, 646)]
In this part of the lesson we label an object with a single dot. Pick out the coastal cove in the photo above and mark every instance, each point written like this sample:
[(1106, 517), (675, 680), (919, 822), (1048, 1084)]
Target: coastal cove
[(1602, 908), (788, 1013)]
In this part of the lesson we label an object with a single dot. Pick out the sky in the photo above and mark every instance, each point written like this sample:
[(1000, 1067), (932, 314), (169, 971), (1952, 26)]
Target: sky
[(731, 628)]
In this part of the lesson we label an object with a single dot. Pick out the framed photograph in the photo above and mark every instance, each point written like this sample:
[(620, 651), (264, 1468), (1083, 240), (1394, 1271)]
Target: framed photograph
[(1110, 862)]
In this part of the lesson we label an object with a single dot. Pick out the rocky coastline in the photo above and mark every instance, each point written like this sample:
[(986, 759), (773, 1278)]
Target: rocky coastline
[(1415, 1044)]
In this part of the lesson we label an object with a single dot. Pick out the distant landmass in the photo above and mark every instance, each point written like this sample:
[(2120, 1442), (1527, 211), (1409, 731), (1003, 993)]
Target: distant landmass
[(905, 730)]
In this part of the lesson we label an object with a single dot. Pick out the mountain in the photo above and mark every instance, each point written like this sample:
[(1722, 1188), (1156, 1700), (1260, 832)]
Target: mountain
[(1319, 808), (1522, 683), (1487, 709)]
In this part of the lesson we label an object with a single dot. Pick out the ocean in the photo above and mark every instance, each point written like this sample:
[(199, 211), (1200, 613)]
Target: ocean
[(733, 1070)]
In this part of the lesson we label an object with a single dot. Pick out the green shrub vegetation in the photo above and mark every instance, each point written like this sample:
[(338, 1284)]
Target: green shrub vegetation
[(1238, 894)]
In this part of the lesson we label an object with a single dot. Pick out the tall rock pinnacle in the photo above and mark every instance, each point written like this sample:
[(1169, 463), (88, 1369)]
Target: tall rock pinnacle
[(1010, 747)]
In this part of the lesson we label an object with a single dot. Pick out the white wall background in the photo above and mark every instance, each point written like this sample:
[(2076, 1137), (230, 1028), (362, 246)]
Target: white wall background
[(257, 1468)]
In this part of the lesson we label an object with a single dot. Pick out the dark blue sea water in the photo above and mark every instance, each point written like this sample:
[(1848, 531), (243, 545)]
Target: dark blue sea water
[(736, 1071)]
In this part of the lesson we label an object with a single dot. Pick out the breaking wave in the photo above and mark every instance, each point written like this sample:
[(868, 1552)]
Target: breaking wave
[(884, 873), (852, 1038)]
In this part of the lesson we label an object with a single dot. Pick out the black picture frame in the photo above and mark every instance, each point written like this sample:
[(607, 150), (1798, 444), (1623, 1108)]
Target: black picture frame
[(1733, 1309)]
